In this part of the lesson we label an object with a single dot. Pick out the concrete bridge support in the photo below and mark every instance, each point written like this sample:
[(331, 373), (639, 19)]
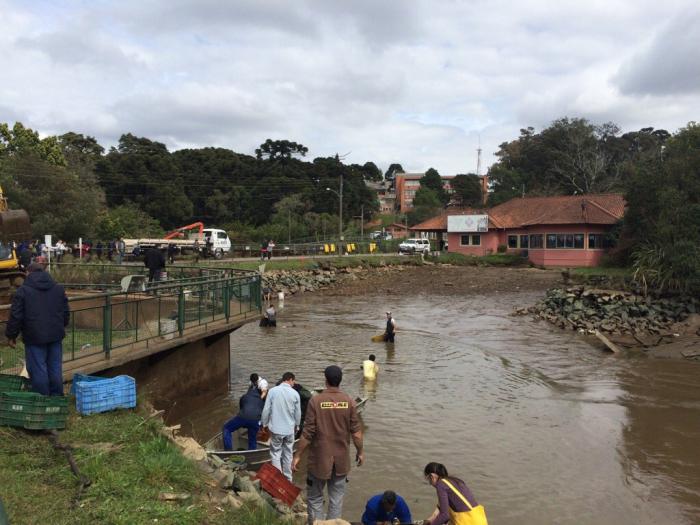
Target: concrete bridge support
[(186, 371)]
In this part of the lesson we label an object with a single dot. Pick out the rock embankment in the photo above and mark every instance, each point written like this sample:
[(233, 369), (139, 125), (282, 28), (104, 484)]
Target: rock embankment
[(615, 312), (291, 282)]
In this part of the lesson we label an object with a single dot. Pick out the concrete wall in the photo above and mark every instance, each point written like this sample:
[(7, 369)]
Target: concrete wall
[(189, 370), (489, 244)]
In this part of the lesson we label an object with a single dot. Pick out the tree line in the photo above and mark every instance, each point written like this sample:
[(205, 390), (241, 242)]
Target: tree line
[(72, 187)]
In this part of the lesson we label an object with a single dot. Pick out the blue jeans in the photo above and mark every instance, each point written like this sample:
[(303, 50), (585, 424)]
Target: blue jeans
[(44, 364), (234, 424)]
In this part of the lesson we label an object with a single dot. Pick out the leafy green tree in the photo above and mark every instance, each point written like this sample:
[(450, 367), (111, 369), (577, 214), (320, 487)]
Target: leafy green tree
[(661, 229), (127, 220), (144, 172), (280, 150), (432, 180), (392, 170), (467, 190), (19, 141)]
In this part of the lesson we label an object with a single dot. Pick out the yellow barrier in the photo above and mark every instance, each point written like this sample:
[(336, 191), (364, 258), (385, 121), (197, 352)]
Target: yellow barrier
[(326, 248)]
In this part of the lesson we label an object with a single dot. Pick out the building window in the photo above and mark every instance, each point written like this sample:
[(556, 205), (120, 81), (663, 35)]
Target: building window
[(536, 241), (524, 241), (595, 241), (470, 240), (564, 241), (512, 241)]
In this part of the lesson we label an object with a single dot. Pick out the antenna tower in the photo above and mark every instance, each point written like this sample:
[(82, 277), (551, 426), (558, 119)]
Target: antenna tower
[(478, 158)]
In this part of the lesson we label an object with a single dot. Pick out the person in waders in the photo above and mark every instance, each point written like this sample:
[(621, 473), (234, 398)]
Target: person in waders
[(456, 503), (390, 328)]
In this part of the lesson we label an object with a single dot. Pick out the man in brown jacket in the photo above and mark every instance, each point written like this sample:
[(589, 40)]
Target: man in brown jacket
[(331, 420)]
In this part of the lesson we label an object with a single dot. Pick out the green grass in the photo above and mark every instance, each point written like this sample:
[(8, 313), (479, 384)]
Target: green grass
[(498, 259), (602, 271), (129, 464)]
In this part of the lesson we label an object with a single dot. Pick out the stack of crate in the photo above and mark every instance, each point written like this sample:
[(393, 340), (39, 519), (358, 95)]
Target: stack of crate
[(19, 408)]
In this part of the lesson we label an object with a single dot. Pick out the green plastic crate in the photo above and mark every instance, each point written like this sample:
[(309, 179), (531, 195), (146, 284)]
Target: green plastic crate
[(33, 411), (12, 383)]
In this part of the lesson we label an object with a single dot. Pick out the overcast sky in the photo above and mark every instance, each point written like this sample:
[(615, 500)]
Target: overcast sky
[(415, 82)]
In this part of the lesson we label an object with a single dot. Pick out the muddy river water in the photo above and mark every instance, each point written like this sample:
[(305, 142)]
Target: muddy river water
[(542, 426)]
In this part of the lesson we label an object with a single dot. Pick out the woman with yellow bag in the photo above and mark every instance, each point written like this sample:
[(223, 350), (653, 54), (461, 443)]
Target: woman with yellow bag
[(456, 503)]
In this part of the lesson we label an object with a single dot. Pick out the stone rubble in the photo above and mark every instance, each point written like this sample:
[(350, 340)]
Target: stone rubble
[(291, 282), (615, 312)]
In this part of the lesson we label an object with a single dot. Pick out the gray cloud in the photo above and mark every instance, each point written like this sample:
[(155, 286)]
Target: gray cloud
[(413, 81), (670, 64)]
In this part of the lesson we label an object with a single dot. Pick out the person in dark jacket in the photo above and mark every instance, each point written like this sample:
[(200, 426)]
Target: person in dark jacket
[(40, 313), (155, 262), (250, 410), (25, 257)]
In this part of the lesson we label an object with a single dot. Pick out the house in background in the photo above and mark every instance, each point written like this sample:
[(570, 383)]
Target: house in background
[(397, 230), (551, 231)]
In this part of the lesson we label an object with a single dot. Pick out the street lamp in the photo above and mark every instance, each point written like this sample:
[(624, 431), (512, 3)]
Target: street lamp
[(340, 213)]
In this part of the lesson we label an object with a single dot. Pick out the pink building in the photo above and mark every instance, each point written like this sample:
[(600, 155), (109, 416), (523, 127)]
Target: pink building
[(552, 231)]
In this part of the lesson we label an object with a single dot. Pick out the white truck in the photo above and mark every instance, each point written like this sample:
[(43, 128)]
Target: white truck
[(209, 241)]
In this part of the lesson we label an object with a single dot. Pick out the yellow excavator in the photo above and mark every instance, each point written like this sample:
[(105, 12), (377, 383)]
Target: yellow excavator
[(14, 228)]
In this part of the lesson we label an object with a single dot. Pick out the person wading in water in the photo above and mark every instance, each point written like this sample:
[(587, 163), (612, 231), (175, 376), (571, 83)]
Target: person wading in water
[(390, 328)]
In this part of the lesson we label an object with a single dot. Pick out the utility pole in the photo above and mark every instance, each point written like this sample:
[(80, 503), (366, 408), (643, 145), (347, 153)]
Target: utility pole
[(362, 222), (289, 227)]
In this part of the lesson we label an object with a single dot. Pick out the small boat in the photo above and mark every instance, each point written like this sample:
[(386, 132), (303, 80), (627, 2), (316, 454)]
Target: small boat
[(256, 458)]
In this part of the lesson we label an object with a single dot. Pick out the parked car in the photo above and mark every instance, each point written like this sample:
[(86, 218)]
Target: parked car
[(413, 246)]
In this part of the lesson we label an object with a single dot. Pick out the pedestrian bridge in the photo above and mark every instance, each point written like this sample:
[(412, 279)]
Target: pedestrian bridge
[(110, 327)]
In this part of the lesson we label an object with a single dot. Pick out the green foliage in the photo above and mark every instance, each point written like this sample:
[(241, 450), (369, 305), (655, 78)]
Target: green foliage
[(661, 229), (571, 156), (432, 180), (459, 259), (128, 220), (280, 150), (392, 170), (467, 190), (502, 248), (426, 204), (19, 141)]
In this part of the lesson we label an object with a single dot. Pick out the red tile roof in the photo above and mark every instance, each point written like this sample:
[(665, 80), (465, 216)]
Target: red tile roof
[(603, 208)]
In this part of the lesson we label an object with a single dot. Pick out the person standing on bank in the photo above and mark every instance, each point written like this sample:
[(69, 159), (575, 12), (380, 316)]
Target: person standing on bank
[(456, 503), (250, 408), (331, 420), (282, 417), (155, 262), (40, 313), (390, 328)]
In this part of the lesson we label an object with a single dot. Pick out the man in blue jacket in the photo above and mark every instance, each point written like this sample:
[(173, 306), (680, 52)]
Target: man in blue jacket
[(385, 508), (250, 410), (40, 313)]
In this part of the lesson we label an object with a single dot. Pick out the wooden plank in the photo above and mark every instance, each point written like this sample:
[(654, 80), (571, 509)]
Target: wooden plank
[(607, 342)]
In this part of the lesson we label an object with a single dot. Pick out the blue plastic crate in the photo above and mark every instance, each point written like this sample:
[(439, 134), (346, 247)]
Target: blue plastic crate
[(77, 378), (94, 395)]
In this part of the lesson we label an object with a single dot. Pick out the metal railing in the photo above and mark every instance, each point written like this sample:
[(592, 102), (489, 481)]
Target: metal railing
[(101, 322)]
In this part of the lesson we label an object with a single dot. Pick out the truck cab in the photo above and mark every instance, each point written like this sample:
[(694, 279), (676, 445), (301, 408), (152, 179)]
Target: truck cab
[(218, 240)]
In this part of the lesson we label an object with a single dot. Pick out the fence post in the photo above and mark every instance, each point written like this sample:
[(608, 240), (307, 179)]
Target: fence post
[(107, 326), (181, 311), (226, 299)]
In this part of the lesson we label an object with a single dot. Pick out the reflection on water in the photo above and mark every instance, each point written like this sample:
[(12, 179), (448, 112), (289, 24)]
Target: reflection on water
[(542, 427)]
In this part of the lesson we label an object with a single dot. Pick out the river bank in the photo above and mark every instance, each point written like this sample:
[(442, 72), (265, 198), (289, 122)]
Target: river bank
[(137, 474)]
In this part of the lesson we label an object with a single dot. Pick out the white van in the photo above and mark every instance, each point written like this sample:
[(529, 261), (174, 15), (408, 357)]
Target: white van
[(220, 242)]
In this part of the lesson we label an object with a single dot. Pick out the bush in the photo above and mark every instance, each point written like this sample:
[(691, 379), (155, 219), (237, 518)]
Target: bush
[(502, 248)]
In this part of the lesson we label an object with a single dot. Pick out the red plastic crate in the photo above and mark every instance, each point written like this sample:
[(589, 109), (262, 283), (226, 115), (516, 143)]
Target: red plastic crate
[(276, 485)]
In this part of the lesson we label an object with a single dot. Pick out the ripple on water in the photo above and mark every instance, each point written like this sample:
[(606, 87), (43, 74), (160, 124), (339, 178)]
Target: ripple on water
[(544, 428)]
